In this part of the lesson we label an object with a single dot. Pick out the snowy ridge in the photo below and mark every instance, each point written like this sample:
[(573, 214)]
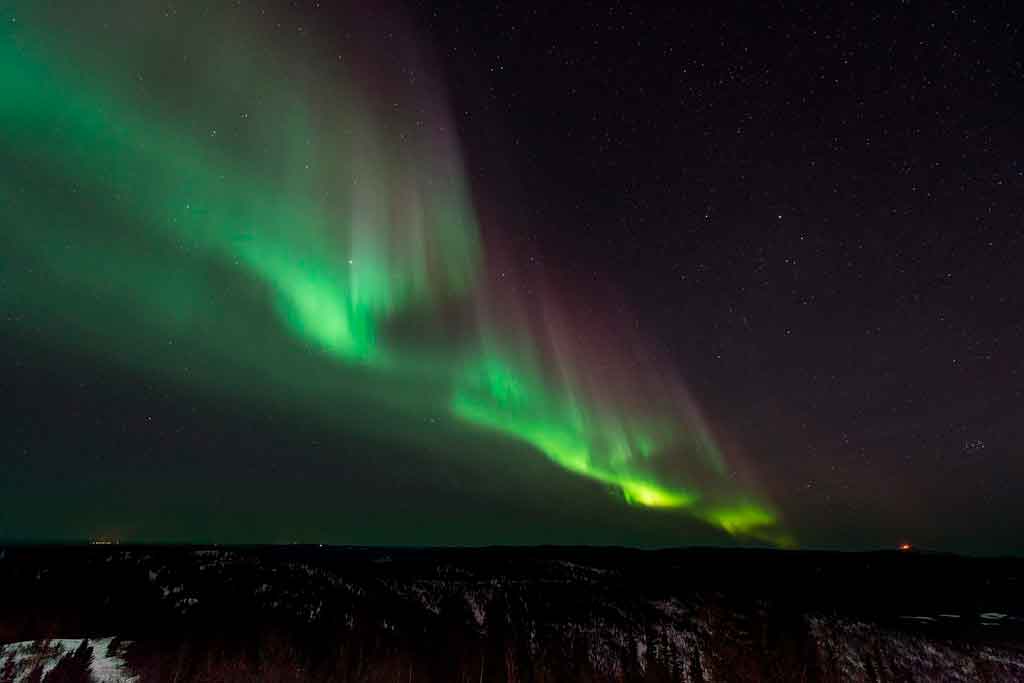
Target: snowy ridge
[(514, 615), (19, 660), (857, 651)]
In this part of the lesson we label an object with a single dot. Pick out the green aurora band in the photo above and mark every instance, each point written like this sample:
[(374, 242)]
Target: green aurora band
[(194, 187)]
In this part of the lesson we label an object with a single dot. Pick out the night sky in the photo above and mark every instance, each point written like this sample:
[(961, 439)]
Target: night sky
[(512, 273)]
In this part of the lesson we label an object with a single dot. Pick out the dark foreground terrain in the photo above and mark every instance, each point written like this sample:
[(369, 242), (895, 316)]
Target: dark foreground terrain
[(299, 613)]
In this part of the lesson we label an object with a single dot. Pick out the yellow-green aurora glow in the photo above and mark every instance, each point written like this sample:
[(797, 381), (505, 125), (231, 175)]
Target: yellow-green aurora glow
[(172, 186)]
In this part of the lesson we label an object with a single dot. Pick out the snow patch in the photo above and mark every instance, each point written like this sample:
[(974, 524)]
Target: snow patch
[(106, 666)]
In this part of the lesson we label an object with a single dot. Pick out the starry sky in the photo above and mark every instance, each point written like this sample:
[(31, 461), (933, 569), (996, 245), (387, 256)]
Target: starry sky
[(510, 273)]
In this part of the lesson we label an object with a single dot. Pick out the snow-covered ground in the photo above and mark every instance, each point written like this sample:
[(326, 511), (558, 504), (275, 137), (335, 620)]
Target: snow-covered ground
[(106, 666)]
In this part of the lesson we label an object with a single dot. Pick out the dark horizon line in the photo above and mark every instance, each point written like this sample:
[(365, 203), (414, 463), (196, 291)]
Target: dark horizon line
[(98, 543)]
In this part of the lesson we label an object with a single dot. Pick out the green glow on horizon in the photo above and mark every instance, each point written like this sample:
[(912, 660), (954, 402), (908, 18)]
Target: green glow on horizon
[(287, 213), (494, 395)]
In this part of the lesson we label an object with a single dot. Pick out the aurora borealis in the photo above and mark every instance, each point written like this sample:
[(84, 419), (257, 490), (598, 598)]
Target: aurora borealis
[(296, 198), (430, 274)]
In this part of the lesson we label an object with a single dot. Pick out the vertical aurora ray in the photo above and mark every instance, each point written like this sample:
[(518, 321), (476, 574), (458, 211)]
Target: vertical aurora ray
[(338, 261), (542, 385), (189, 203)]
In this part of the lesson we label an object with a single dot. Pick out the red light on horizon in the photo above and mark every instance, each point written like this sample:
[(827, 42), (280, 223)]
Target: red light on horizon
[(905, 546)]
